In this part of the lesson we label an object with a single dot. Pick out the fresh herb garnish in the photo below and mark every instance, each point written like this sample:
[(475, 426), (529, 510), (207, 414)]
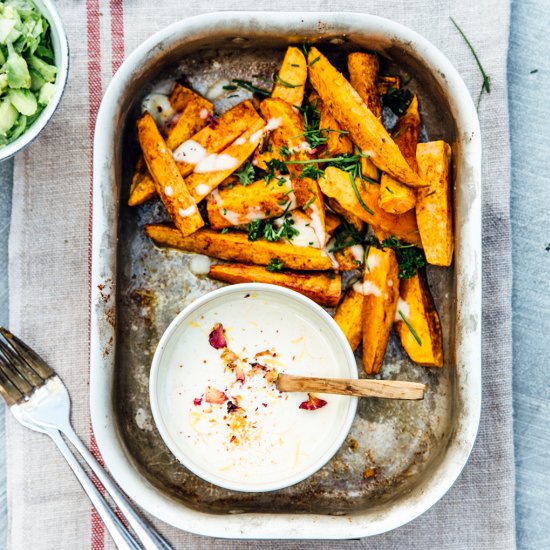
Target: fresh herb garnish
[(225, 230), (313, 61), (486, 83), (311, 171), (254, 230), (284, 151), (409, 257), (275, 265), (247, 174), (534, 71), (269, 230), (272, 167), (389, 189), (284, 83), (247, 85), (345, 236), (409, 326), (310, 202), (231, 87)]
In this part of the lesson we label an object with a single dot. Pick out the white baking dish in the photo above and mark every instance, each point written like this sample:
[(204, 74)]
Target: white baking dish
[(244, 29)]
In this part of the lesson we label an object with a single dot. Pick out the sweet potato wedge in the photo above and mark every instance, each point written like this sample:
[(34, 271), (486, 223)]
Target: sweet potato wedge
[(168, 181), (239, 204), (337, 185), (319, 287), (288, 132), (332, 223), (350, 217), (338, 143), (380, 296), (143, 187), (365, 129), (214, 138), (417, 306), (193, 112), (194, 117), (363, 75), (396, 197), (348, 315), (291, 79), (387, 82), (349, 258), (433, 204), (235, 246), (217, 167)]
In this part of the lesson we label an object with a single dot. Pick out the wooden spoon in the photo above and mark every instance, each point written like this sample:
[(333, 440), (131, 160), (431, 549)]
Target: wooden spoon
[(388, 389)]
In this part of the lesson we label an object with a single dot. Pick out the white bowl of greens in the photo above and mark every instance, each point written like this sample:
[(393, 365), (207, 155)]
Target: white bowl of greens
[(34, 61)]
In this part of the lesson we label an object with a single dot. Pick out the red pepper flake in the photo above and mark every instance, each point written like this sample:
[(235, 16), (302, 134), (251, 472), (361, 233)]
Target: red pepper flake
[(264, 404), (197, 401), (312, 403), (217, 337), (212, 395), (234, 440), (212, 121)]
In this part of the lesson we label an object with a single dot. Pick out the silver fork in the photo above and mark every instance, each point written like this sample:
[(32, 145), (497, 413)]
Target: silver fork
[(39, 400)]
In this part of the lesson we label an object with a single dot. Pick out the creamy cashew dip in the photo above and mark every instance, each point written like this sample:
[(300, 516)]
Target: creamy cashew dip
[(219, 403)]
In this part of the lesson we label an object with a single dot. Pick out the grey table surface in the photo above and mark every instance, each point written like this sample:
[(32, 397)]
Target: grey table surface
[(528, 83)]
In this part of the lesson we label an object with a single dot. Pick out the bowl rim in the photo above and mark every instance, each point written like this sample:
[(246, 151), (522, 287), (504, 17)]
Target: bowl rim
[(57, 30), (468, 274), (300, 303)]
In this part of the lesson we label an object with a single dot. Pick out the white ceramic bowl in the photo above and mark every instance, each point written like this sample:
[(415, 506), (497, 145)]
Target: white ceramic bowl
[(178, 369), (61, 52)]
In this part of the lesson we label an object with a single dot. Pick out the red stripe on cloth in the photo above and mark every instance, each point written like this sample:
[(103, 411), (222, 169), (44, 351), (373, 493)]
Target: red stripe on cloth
[(97, 539), (117, 33)]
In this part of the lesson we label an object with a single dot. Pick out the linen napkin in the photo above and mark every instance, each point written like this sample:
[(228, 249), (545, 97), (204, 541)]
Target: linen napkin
[(50, 274)]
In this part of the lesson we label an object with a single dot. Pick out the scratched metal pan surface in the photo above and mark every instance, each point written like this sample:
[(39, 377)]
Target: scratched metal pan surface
[(400, 457)]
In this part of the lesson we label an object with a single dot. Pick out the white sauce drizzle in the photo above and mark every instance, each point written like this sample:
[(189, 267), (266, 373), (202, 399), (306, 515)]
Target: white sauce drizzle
[(272, 124), (204, 113), (200, 265), (216, 163), (367, 288), (168, 191), (189, 211), (330, 254), (159, 106), (358, 252), (404, 308), (216, 90), (202, 189), (240, 141), (190, 152), (316, 223)]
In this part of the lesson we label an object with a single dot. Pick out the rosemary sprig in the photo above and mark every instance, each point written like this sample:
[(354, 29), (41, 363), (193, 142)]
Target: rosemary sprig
[(284, 83), (486, 84), (247, 85), (410, 327)]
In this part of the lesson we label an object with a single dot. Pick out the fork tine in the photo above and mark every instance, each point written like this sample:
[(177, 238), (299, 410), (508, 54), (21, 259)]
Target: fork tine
[(12, 373), (26, 360), (8, 391)]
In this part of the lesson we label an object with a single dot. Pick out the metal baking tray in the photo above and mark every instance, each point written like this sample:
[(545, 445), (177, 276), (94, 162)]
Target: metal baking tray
[(415, 449)]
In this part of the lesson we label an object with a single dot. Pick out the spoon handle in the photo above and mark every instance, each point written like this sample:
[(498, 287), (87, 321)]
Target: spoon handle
[(388, 389)]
